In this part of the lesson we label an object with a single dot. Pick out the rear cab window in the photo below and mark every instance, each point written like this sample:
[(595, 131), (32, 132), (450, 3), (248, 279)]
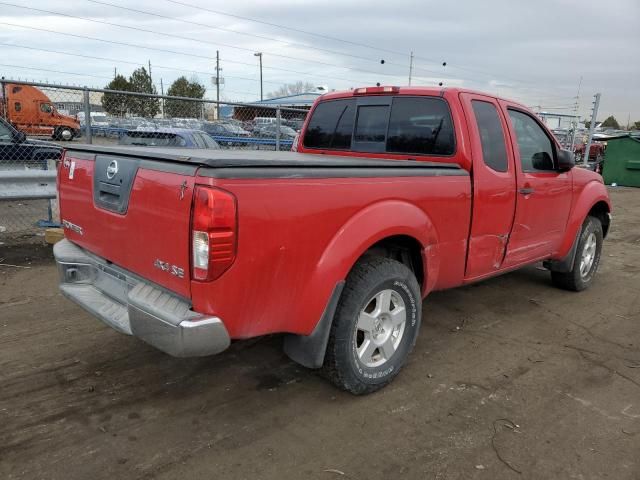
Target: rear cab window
[(383, 124), (494, 151)]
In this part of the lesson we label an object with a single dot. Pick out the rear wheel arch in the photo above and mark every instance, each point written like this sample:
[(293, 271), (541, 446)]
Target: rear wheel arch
[(405, 249), (390, 229)]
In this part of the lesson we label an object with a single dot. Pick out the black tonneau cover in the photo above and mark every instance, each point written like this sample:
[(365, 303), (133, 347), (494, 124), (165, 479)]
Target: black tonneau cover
[(274, 164), (252, 158)]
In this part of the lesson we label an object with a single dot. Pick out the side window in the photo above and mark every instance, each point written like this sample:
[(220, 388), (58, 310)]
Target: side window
[(371, 125), (536, 148), (494, 153), (5, 133), (46, 107), (331, 125), (420, 125), (17, 106)]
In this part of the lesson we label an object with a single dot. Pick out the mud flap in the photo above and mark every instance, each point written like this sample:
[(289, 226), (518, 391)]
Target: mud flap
[(309, 350)]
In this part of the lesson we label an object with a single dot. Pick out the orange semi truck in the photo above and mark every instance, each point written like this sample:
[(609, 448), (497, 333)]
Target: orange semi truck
[(33, 113)]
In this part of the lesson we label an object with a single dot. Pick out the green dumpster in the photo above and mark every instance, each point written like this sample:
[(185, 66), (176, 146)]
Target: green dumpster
[(622, 161)]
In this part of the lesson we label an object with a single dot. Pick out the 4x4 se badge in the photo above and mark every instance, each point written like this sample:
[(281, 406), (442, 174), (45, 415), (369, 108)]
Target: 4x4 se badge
[(166, 267)]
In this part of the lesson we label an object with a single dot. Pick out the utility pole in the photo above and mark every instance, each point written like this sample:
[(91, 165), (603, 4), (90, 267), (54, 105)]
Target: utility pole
[(217, 85), (575, 118), (162, 95), (259, 55), (592, 127), (150, 79), (410, 67), (115, 72)]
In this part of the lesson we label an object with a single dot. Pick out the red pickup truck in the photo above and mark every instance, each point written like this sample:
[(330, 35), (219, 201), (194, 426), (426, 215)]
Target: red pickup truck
[(401, 191)]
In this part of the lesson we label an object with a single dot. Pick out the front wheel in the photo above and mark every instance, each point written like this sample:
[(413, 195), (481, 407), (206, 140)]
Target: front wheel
[(64, 133), (587, 259), (375, 326)]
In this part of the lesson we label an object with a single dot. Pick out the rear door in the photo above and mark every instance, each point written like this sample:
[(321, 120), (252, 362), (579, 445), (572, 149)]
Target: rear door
[(134, 213), (543, 193), (494, 184)]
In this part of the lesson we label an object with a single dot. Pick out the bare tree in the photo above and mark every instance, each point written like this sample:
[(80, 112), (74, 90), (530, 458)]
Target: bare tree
[(292, 89)]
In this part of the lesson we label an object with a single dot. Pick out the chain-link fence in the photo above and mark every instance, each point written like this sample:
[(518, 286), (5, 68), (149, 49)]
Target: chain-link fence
[(38, 120)]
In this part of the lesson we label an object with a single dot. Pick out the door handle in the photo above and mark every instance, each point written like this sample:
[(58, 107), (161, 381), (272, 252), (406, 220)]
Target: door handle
[(526, 191)]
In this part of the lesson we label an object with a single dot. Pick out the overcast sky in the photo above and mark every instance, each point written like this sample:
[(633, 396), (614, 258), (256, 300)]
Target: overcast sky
[(532, 51)]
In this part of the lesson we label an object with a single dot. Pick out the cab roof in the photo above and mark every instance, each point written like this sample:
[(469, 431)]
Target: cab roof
[(409, 90)]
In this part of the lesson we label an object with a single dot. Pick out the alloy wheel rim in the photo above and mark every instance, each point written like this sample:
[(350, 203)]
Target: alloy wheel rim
[(380, 328), (588, 255)]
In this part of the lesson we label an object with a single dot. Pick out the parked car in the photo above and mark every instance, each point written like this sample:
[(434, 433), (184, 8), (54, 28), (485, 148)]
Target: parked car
[(222, 129), (33, 113), (411, 190), (16, 150), (168, 137), (271, 129), (295, 123)]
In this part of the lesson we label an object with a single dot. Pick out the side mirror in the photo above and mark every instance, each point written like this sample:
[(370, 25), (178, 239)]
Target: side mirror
[(566, 160), (542, 161), (19, 137)]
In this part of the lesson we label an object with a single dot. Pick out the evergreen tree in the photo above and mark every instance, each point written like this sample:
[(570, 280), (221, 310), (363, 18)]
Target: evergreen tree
[(185, 108), (140, 82), (117, 104), (611, 122)]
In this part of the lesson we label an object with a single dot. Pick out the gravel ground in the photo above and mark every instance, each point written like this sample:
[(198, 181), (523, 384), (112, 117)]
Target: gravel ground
[(510, 378)]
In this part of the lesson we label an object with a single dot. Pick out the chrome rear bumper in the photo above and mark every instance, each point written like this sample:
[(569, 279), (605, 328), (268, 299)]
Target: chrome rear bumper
[(133, 306)]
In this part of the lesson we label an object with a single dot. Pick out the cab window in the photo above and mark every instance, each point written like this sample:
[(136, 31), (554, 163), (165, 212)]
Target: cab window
[(420, 125), (46, 107), (371, 125), (494, 152), (405, 125), (331, 125), (536, 149), (17, 106)]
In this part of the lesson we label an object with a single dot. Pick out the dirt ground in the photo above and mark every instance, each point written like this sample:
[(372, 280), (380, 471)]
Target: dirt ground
[(510, 378)]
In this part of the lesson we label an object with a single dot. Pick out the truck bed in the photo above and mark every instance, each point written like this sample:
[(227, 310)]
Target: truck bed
[(302, 221)]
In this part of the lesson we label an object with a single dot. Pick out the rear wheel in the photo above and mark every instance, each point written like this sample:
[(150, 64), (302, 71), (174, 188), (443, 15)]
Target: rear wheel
[(375, 326), (586, 261)]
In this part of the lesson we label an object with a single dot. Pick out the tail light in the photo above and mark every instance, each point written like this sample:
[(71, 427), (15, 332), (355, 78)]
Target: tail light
[(214, 233)]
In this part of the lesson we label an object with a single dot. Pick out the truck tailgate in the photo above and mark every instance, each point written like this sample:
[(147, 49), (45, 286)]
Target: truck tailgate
[(135, 213)]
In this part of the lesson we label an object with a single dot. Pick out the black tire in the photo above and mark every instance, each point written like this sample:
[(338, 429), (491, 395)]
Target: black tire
[(577, 280), (370, 277)]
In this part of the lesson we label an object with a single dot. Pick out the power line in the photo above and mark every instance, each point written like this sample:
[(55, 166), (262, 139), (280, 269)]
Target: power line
[(180, 37), (53, 71), (248, 34), (212, 43), (289, 28), (175, 52), (117, 61), (84, 75)]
